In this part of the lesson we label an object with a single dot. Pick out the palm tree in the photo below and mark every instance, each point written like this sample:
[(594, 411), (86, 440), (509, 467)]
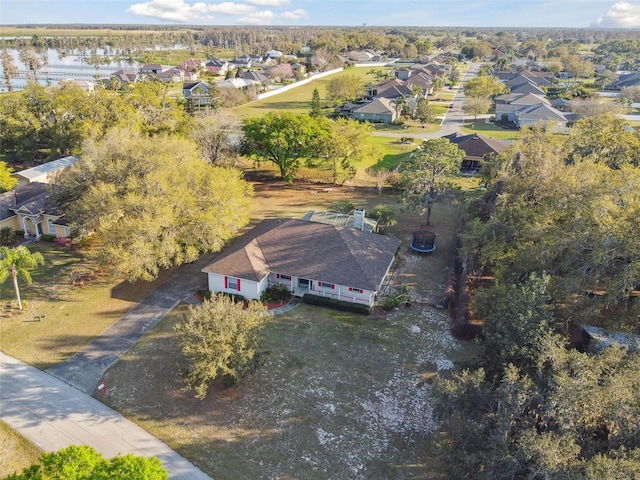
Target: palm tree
[(15, 262)]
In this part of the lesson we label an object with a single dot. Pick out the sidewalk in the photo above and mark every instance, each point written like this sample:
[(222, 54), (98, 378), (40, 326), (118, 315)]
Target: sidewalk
[(53, 415)]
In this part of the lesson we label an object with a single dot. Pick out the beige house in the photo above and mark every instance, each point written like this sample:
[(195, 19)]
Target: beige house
[(29, 209)]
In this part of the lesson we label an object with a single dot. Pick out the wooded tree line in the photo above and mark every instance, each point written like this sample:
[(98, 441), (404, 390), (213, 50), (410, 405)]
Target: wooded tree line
[(557, 231), (40, 122), (564, 206)]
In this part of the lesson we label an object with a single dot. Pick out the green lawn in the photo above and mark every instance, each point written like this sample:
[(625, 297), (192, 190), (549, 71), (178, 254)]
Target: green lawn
[(297, 100), (489, 130), (394, 152)]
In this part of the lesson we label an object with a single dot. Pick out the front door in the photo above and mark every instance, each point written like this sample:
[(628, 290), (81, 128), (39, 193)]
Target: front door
[(303, 283)]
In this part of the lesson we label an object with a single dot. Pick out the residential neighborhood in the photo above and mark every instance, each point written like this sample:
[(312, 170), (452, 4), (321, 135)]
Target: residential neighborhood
[(282, 251)]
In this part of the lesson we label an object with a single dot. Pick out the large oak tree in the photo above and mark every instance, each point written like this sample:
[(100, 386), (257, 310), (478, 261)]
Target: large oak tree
[(151, 202), (284, 139)]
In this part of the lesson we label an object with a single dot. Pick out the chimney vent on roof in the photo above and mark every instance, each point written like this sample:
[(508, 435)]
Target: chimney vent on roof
[(358, 219)]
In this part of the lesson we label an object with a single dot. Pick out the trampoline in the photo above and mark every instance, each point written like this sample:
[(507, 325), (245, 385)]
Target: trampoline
[(423, 241)]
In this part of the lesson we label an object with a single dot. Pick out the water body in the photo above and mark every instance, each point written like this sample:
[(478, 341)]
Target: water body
[(56, 67)]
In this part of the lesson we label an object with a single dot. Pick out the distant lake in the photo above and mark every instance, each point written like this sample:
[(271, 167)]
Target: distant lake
[(56, 67)]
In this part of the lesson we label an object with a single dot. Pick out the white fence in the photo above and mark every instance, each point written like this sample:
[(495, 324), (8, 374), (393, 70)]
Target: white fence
[(286, 88)]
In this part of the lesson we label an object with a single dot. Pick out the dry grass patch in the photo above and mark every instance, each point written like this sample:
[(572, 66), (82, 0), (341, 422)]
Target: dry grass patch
[(16, 452), (336, 396), (69, 303)]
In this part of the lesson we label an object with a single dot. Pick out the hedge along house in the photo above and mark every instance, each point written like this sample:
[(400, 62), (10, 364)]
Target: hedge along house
[(309, 258)]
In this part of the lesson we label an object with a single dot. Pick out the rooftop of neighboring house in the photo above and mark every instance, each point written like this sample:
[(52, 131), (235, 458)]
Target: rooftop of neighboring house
[(475, 145), (46, 168), (34, 196), (376, 106)]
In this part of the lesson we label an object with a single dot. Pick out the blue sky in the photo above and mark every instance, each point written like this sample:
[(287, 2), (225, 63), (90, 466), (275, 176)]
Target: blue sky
[(468, 13)]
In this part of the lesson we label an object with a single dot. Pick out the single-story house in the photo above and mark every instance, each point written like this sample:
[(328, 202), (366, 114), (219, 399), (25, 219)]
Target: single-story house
[(477, 149), (153, 68), (307, 257), (42, 173), (244, 61), (173, 75), (238, 83), (256, 76), (125, 75), (28, 208), (198, 93), (191, 65), (380, 110), (544, 114), (625, 80), (216, 66), (508, 104), (274, 54)]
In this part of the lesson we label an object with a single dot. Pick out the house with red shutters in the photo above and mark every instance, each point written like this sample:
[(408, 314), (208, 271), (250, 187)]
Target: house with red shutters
[(343, 263)]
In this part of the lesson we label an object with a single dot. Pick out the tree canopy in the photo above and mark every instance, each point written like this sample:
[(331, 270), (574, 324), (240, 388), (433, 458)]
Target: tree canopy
[(284, 139), (426, 174), (150, 202), (346, 145), (84, 463), (7, 181), (484, 86), (218, 338)]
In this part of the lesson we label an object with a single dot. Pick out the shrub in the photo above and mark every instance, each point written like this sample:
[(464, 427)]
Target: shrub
[(390, 303), (7, 236), (235, 297), (336, 304), (19, 233), (275, 293), (45, 237), (384, 214)]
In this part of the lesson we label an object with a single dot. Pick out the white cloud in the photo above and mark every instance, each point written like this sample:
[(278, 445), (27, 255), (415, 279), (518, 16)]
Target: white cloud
[(263, 17), (180, 11), (268, 3), (231, 8), (294, 15), (621, 15)]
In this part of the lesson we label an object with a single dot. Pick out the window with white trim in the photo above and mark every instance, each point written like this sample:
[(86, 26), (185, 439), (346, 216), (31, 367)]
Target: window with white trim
[(51, 227), (232, 283), (326, 285)]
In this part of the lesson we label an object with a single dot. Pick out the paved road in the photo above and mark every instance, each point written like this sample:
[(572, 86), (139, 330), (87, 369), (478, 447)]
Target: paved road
[(53, 415), (454, 117)]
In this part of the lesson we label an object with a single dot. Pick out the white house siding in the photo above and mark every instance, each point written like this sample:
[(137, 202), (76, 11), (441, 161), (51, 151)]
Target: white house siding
[(339, 292), (342, 293), (249, 289)]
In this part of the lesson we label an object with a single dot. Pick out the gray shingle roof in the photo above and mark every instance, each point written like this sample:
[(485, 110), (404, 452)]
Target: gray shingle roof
[(311, 250)]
